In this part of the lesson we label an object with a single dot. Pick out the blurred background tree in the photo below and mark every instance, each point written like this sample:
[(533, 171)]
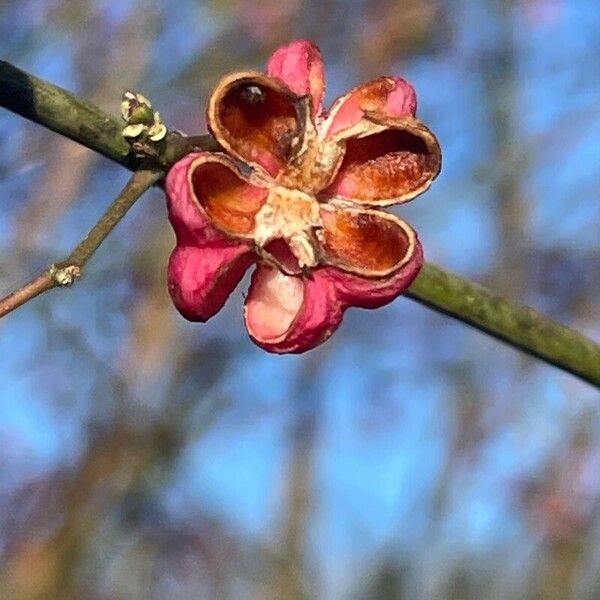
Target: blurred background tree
[(145, 457)]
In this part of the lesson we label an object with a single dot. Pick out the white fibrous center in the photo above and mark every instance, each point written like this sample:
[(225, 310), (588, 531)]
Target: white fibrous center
[(291, 215)]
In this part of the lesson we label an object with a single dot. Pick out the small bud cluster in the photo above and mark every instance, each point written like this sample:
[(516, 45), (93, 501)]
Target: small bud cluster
[(143, 123)]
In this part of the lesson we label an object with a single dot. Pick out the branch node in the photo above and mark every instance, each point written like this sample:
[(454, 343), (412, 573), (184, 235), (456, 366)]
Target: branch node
[(64, 276)]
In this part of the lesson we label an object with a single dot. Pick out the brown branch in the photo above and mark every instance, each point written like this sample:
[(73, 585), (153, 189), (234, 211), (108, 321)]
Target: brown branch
[(42, 283), (64, 273)]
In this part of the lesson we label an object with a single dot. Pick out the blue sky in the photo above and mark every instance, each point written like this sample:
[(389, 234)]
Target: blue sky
[(384, 394)]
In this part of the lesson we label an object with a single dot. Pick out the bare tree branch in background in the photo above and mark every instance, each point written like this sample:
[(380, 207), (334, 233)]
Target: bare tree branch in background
[(126, 460), (293, 581)]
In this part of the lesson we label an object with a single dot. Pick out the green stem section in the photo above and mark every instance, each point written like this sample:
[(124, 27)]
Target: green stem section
[(65, 113), (513, 323), (459, 298)]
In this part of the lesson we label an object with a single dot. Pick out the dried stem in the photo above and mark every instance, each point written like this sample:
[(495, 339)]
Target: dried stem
[(511, 322), (63, 274)]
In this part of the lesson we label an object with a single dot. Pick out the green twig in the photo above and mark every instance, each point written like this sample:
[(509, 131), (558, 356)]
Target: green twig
[(513, 323), (65, 113)]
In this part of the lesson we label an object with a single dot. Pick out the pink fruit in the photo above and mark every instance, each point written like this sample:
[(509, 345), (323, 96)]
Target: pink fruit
[(297, 191)]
